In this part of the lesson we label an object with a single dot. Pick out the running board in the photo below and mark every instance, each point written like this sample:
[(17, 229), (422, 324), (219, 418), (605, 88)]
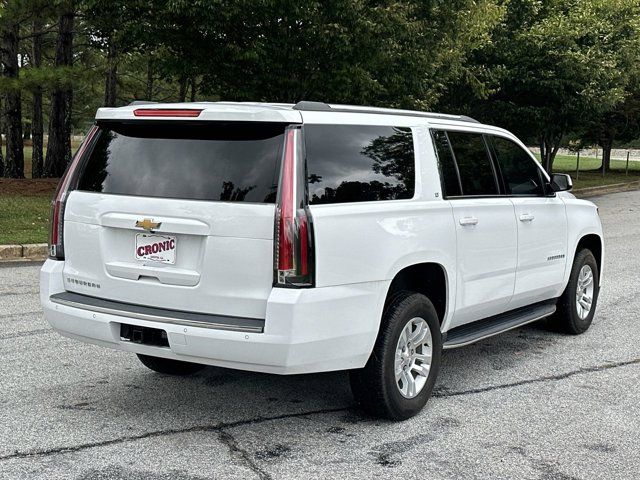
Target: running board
[(488, 327)]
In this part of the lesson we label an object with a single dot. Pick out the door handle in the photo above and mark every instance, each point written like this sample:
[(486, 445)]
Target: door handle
[(526, 217), (468, 221)]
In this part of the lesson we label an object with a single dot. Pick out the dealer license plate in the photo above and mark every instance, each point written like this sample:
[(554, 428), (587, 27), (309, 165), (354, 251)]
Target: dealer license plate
[(158, 248)]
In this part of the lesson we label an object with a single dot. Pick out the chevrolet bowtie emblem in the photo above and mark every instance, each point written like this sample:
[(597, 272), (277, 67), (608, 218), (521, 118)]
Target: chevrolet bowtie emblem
[(148, 224)]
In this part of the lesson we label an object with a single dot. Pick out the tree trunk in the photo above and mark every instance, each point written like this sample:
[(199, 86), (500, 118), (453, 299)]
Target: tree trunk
[(607, 146), (149, 92), (59, 147), (543, 153), (182, 96), (1, 157), (37, 128), (549, 146), (14, 161), (193, 88), (112, 74)]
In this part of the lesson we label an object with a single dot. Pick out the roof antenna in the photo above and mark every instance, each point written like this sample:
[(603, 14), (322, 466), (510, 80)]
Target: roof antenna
[(311, 106)]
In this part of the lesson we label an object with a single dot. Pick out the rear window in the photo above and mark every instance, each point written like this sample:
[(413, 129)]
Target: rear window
[(233, 162), (357, 163), (474, 164)]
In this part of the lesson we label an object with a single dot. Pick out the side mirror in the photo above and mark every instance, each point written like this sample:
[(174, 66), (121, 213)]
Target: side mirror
[(561, 182)]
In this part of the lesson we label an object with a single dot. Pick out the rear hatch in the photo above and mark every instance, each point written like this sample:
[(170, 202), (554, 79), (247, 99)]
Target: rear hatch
[(176, 215)]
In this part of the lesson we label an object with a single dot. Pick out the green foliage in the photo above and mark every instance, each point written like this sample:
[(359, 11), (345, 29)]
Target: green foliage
[(559, 63), (543, 68), (399, 54)]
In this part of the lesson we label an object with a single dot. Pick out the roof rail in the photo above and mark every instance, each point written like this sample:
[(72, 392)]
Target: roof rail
[(324, 107)]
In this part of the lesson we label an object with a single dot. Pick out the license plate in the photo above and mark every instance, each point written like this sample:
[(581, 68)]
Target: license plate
[(157, 248)]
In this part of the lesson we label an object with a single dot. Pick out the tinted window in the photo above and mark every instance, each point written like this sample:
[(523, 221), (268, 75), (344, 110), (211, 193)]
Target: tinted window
[(448, 169), (521, 174), (213, 161), (474, 164), (348, 163)]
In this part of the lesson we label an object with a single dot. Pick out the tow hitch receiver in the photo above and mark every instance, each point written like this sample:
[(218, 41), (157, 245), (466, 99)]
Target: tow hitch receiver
[(143, 335)]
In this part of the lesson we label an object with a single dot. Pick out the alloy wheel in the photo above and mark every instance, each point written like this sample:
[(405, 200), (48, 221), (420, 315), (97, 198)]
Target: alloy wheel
[(584, 292), (413, 357)]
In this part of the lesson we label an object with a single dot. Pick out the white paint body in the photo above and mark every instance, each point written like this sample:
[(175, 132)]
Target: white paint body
[(224, 261)]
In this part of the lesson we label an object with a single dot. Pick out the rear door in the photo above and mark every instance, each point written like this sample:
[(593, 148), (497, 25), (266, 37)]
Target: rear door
[(176, 215), (542, 224), (486, 232)]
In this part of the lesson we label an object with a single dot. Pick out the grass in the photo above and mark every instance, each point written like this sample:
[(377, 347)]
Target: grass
[(589, 174), (25, 204), (24, 219)]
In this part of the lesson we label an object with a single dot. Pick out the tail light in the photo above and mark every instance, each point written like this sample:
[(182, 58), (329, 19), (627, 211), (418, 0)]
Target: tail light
[(294, 261), (56, 243)]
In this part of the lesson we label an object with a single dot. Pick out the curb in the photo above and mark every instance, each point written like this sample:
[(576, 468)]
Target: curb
[(605, 189), (29, 251)]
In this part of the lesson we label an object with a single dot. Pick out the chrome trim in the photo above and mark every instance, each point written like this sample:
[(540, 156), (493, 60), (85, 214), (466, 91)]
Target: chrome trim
[(156, 318), (493, 334)]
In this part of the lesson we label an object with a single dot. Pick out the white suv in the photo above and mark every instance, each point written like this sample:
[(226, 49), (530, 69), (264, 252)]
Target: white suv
[(311, 237)]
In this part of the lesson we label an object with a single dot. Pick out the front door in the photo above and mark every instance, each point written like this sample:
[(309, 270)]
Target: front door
[(542, 249), (542, 225)]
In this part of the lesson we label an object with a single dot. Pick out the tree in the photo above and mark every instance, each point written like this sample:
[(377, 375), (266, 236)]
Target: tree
[(184, 40), (1, 157), (399, 54), (37, 127), (621, 123), (9, 46), (59, 146), (114, 28), (558, 64)]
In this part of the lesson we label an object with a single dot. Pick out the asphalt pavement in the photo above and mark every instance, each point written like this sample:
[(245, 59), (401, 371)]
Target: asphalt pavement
[(526, 404)]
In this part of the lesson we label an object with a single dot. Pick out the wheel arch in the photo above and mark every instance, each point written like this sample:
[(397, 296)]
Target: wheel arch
[(428, 278), (594, 243)]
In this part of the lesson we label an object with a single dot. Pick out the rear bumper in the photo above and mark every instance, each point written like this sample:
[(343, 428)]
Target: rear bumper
[(305, 330)]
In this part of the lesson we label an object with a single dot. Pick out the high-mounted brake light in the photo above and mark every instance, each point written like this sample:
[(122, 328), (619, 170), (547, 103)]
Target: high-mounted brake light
[(56, 240), (166, 112), (294, 250)]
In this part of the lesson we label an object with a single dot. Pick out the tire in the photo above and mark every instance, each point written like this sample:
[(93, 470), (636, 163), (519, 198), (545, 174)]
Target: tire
[(568, 318), (375, 387), (168, 366)]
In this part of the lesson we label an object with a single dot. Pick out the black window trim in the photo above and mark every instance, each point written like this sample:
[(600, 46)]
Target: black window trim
[(455, 164), (82, 162), (414, 138), (496, 165), (496, 178), (500, 181)]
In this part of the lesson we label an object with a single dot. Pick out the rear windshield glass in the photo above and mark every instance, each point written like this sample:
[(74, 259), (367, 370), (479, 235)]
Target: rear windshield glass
[(198, 161)]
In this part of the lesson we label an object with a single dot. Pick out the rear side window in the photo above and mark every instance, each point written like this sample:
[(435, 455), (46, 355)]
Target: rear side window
[(234, 162), (521, 174), (448, 168), (474, 164), (356, 163)]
